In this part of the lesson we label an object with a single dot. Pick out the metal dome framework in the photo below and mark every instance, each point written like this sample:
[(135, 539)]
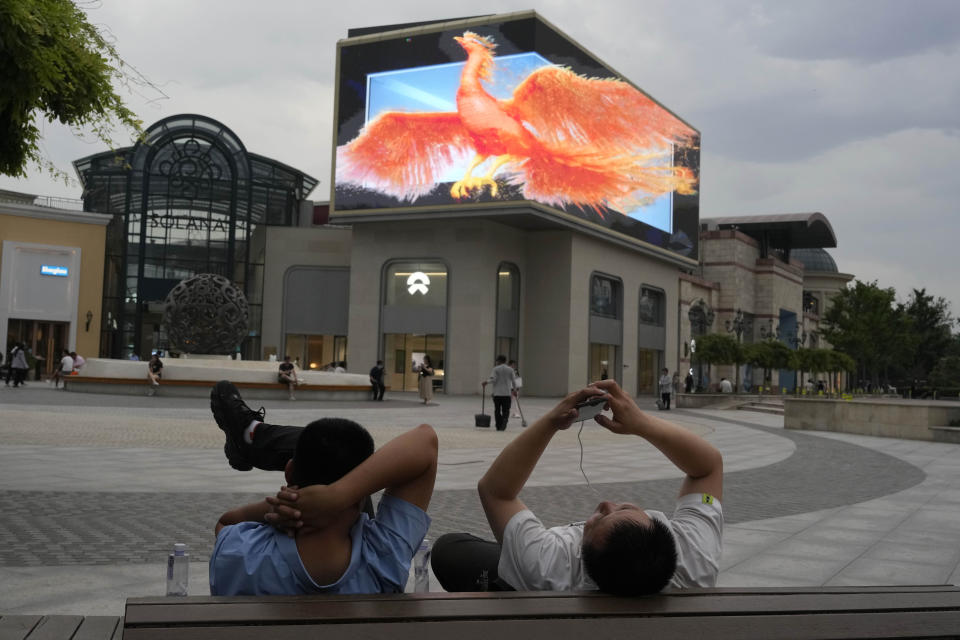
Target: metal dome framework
[(187, 198)]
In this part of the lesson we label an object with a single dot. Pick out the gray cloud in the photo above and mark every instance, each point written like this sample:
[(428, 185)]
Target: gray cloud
[(849, 108)]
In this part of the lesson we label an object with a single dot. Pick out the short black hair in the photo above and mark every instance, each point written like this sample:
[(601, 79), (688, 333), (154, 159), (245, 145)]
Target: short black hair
[(633, 560), (328, 449), (501, 359)]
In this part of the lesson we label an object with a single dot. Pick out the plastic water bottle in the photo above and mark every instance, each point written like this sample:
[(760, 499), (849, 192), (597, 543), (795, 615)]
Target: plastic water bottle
[(421, 568), (178, 570)]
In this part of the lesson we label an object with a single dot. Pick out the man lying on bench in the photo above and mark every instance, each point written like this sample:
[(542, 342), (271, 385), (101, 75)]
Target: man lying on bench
[(329, 544), (621, 548)]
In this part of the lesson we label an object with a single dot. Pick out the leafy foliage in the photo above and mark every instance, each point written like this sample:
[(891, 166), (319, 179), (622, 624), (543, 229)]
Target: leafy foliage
[(769, 354), (54, 64), (946, 373), (866, 323), (930, 333), (715, 348)]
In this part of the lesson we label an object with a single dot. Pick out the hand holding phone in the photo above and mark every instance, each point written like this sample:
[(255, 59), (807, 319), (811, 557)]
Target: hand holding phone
[(590, 408)]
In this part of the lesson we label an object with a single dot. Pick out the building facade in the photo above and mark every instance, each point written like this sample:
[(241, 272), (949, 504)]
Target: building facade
[(51, 277), (760, 277), (187, 198)]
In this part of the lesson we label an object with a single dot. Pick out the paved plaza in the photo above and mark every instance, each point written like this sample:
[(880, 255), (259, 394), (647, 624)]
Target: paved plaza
[(94, 491)]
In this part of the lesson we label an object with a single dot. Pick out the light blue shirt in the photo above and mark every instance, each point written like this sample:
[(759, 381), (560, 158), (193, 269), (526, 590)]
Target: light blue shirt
[(255, 559)]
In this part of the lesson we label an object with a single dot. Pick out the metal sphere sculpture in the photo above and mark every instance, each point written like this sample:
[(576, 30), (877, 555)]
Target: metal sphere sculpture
[(206, 314)]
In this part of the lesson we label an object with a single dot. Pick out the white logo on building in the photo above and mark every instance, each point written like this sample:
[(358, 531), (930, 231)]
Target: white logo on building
[(417, 283)]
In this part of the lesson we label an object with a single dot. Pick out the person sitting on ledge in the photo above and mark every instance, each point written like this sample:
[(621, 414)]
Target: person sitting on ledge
[(621, 549), (317, 535), (287, 374)]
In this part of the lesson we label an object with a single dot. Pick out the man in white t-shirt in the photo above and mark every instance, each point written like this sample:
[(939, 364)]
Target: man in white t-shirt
[(65, 369), (621, 548)]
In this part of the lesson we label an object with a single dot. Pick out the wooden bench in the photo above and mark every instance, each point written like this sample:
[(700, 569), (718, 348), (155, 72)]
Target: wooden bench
[(761, 613), (60, 627)]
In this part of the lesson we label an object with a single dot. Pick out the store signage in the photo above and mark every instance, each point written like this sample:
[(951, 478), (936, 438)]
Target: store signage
[(417, 283), (53, 270), (169, 221)]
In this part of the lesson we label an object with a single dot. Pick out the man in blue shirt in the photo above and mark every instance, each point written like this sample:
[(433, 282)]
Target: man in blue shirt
[(326, 543)]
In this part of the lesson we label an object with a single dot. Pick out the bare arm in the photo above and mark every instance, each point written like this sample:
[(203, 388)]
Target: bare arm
[(406, 467), (253, 512), (503, 481), (693, 455)]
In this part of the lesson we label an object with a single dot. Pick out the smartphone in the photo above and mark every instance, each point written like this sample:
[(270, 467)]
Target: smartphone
[(590, 408)]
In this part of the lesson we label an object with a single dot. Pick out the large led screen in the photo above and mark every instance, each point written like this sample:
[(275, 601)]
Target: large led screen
[(511, 111)]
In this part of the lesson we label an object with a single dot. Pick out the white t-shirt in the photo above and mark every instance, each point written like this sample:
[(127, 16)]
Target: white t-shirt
[(66, 364), (534, 558)]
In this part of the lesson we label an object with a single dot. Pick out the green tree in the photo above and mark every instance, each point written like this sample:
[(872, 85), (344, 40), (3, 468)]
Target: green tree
[(946, 373), (931, 326), (866, 323), (54, 64), (813, 361), (715, 348), (837, 362), (769, 355)]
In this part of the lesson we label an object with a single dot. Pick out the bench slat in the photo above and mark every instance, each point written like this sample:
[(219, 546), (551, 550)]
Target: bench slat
[(17, 627), (55, 628), (97, 628), (936, 624), (328, 609)]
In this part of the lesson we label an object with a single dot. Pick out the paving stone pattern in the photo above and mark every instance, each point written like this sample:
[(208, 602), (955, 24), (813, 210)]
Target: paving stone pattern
[(64, 528)]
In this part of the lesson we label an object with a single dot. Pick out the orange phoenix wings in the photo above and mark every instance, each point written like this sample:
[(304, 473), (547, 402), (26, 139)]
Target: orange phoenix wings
[(589, 142)]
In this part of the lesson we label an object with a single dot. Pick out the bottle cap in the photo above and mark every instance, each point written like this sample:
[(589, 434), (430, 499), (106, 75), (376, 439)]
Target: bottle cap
[(179, 549)]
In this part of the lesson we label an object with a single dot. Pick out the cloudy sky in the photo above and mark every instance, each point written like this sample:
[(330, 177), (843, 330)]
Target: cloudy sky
[(847, 107)]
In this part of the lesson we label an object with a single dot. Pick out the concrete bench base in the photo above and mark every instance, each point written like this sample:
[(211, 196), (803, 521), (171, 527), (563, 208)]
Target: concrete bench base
[(201, 389), (889, 418), (190, 377)]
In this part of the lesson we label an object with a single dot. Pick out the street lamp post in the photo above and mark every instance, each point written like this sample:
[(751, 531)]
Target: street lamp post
[(738, 326), (798, 339)]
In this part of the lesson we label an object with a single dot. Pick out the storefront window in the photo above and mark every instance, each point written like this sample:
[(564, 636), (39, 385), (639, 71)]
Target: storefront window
[(316, 352), (652, 309), (606, 327), (604, 296)]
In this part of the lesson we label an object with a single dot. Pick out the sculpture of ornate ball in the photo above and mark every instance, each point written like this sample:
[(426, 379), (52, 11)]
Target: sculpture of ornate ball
[(206, 314)]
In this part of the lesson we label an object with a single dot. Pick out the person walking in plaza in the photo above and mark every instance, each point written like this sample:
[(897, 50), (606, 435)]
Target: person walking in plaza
[(425, 371), (665, 383), (377, 387), (319, 534), (517, 385), (502, 377), (18, 365), (65, 368), (154, 373), (621, 548), (287, 374)]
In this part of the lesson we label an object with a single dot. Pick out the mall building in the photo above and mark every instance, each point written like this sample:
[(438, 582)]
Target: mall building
[(51, 277), (573, 291)]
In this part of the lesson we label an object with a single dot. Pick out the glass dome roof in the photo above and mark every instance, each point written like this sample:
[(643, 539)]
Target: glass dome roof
[(815, 260)]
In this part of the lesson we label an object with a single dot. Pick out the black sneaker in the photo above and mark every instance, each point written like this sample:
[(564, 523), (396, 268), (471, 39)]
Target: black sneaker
[(233, 416)]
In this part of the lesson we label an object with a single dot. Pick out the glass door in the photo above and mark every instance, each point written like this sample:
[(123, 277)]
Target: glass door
[(400, 350)]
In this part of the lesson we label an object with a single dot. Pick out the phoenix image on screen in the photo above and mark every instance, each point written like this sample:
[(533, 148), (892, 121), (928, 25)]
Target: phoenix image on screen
[(563, 138)]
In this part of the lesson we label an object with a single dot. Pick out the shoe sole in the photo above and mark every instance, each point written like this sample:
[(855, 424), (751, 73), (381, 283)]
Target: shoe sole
[(237, 461)]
